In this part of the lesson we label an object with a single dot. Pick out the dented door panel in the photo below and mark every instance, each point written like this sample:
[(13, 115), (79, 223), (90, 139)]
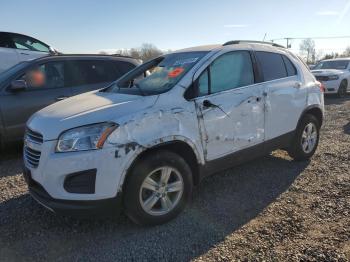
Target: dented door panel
[(237, 122), (285, 102)]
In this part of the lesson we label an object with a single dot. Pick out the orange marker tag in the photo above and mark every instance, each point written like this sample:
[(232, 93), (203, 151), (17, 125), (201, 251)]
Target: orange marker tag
[(176, 72)]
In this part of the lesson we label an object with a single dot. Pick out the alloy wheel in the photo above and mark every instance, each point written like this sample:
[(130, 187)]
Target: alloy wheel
[(161, 191), (309, 138)]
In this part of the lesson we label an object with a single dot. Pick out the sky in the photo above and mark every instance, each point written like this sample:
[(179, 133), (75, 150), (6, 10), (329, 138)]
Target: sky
[(90, 26)]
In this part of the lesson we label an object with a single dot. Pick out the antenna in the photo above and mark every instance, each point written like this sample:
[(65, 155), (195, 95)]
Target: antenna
[(264, 37)]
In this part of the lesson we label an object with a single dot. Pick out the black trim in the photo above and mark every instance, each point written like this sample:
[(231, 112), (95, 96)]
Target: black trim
[(76, 208), (245, 155), (82, 182), (307, 109)]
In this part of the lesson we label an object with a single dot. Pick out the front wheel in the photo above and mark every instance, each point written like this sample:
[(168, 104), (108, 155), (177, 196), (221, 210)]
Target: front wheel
[(157, 188), (306, 138), (342, 89)]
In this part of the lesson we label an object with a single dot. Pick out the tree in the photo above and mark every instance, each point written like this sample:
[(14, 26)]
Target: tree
[(149, 51), (307, 47), (346, 52)]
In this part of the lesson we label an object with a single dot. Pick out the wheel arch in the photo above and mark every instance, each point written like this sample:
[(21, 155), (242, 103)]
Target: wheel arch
[(314, 110), (179, 147)]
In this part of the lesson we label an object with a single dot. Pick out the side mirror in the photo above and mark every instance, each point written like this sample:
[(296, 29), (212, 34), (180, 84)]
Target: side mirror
[(18, 85)]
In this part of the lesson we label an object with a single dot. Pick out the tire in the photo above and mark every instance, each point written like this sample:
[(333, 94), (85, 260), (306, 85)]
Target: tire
[(299, 152), (138, 194), (342, 89)]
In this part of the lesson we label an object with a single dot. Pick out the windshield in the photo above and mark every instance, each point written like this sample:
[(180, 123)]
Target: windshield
[(158, 75), (12, 70), (339, 64)]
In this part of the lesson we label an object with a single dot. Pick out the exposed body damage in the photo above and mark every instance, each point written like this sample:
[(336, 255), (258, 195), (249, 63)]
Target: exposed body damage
[(159, 125)]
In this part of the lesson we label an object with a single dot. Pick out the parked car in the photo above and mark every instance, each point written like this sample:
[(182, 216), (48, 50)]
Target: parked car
[(30, 86), (15, 48), (143, 143), (334, 74)]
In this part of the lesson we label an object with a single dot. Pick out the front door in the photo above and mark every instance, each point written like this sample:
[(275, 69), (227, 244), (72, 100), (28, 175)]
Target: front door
[(230, 105), (45, 85)]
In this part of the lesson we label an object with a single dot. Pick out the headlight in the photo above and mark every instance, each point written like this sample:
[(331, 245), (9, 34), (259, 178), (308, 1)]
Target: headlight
[(333, 77), (85, 138)]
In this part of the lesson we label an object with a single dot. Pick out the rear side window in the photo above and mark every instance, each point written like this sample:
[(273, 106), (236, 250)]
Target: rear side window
[(5, 41), (272, 65), (124, 67), (87, 72), (291, 71)]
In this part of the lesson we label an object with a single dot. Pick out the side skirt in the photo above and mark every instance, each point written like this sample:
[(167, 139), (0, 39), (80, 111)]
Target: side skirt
[(245, 155)]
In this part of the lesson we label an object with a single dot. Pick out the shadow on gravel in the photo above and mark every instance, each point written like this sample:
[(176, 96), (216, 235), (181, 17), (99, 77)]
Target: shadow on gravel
[(347, 128), (334, 100), (221, 205)]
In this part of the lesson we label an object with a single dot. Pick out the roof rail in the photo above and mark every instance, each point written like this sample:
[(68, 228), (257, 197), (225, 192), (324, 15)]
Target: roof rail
[(236, 42), (106, 55)]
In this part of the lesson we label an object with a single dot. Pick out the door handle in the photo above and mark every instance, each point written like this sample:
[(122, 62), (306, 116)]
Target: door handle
[(60, 98), (207, 103), (258, 99), (24, 54)]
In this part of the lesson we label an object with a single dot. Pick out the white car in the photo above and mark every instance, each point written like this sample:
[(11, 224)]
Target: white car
[(142, 144), (334, 74), (15, 48)]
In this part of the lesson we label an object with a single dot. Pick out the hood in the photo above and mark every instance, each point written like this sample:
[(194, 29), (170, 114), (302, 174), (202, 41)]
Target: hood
[(327, 72), (85, 109)]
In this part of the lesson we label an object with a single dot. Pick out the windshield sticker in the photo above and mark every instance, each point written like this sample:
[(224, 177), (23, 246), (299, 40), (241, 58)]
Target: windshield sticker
[(176, 72), (186, 61)]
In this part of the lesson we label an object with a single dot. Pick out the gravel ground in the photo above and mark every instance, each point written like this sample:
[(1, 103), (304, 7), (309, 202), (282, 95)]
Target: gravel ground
[(271, 209)]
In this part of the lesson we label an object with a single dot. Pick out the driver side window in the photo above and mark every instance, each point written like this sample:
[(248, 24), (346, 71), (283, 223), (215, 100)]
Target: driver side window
[(28, 43), (49, 75), (229, 71)]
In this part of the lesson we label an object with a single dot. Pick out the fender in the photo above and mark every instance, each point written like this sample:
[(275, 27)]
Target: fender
[(138, 149)]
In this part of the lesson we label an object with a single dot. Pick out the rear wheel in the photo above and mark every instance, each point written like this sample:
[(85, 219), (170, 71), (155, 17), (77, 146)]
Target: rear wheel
[(342, 88), (306, 138), (158, 188)]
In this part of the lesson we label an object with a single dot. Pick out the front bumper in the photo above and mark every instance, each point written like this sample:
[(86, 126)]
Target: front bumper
[(76, 208), (331, 86)]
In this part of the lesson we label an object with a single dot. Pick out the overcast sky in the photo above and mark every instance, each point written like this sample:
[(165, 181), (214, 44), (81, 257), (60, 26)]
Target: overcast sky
[(85, 26)]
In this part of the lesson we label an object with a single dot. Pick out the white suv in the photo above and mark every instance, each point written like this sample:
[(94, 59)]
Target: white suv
[(144, 142), (334, 74), (15, 48)]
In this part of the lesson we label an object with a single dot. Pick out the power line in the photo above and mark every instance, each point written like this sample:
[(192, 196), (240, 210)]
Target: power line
[(316, 37)]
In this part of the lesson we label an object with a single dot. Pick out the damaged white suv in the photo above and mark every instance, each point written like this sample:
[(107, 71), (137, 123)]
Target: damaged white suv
[(142, 143)]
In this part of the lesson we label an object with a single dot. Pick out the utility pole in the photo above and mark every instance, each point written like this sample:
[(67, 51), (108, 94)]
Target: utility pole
[(288, 42)]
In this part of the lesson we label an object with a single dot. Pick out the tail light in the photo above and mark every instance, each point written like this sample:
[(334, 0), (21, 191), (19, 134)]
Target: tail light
[(321, 86)]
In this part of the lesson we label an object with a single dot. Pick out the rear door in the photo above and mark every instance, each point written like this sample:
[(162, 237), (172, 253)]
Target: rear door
[(45, 85), (29, 48), (285, 94), (88, 75), (8, 54)]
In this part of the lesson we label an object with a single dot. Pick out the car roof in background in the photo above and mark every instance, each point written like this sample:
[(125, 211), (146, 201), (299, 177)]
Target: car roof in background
[(337, 59), (87, 57)]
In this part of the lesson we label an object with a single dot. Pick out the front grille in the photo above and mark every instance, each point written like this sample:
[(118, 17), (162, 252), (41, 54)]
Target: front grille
[(34, 136), (322, 78), (32, 157), (32, 148)]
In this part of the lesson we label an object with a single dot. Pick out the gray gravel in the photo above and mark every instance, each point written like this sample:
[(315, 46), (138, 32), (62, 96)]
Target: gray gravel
[(271, 209)]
